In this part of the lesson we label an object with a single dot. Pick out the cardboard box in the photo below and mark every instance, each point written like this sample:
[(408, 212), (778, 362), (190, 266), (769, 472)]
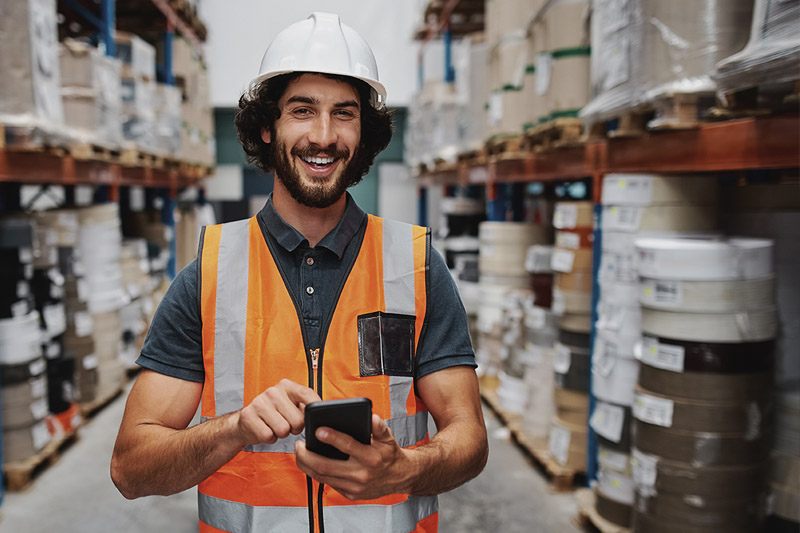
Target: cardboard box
[(138, 56)]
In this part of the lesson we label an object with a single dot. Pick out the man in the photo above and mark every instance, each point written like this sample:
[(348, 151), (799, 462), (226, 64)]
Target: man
[(310, 299)]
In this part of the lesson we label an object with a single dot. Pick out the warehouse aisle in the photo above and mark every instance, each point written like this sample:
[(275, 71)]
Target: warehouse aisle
[(76, 494)]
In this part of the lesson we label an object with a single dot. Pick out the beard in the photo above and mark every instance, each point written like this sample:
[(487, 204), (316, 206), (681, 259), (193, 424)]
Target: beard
[(321, 192)]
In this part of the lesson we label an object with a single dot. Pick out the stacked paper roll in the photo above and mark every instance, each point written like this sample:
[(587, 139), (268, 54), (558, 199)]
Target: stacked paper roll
[(784, 501), (513, 391), (503, 253), (540, 336), (572, 258), (703, 402), (135, 315), (100, 248), (633, 205)]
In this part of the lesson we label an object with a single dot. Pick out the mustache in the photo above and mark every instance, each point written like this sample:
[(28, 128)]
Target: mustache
[(317, 151)]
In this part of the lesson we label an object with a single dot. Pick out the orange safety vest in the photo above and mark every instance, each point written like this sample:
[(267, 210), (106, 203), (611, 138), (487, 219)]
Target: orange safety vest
[(252, 340)]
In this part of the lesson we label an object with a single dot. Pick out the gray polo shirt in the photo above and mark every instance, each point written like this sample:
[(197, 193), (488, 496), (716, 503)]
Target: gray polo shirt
[(313, 275)]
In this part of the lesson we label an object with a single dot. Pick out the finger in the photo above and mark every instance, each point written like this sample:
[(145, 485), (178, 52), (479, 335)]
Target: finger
[(298, 394), (380, 430), (341, 441)]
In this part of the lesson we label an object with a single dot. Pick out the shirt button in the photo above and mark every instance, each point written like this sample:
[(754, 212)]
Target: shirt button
[(309, 290), (310, 261)]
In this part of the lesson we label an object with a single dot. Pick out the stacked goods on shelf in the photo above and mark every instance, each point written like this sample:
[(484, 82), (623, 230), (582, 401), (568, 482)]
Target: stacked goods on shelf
[(138, 90), (558, 49), (148, 225), (191, 77), (572, 304), (187, 236), (703, 403), (771, 57), (501, 263), (537, 352), (652, 55), (513, 391), (23, 376), (784, 502), (168, 120), (91, 93), (29, 87), (100, 246), (136, 314), (632, 205), (58, 283)]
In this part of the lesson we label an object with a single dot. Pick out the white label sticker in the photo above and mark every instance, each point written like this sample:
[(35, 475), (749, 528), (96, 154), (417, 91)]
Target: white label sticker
[(84, 326), (608, 421), (37, 367), (562, 260), (40, 434), (603, 364), (645, 469), (26, 255), (89, 362), (558, 304), (83, 289), (544, 65), (495, 107), (55, 318), (19, 308), (610, 317), (611, 460), (565, 216), (662, 292), (622, 218), (537, 318), (38, 387), (23, 289), (559, 443), (565, 239), (665, 356), (562, 359), (53, 350), (653, 410), (39, 409)]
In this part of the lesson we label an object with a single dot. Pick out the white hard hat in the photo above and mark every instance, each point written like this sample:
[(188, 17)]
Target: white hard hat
[(321, 43)]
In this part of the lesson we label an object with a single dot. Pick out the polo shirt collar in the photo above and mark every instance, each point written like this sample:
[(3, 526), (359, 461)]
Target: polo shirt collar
[(336, 240)]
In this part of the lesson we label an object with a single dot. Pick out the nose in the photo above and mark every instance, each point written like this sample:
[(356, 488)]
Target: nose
[(323, 131)]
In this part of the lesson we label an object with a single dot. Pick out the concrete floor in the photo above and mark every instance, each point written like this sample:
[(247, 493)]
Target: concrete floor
[(76, 494)]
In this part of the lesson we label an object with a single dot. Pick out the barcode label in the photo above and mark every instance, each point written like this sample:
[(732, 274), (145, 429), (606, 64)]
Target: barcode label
[(608, 421), (653, 410), (665, 356)]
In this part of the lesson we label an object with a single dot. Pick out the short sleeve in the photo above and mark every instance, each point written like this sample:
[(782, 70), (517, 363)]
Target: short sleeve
[(445, 339), (173, 345)]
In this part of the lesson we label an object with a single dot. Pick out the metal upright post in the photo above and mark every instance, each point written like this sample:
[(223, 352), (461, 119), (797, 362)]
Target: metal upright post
[(108, 11)]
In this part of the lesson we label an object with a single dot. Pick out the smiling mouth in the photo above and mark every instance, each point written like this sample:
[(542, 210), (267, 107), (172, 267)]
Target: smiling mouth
[(319, 163)]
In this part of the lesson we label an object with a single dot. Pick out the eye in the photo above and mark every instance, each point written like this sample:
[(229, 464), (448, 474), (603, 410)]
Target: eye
[(345, 113), (301, 111)]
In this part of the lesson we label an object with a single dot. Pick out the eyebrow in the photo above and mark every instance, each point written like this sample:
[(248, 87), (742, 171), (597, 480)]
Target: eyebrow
[(312, 101)]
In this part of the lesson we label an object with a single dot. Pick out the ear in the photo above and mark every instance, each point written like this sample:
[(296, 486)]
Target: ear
[(266, 136)]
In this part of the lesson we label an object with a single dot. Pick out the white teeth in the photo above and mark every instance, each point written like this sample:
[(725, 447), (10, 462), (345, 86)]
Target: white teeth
[(319, 160)]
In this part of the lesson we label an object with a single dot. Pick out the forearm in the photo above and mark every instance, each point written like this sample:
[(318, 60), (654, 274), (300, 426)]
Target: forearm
[(154, 459), (455, 455)]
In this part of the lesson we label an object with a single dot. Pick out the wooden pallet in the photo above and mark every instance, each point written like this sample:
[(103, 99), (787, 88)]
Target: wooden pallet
[(94, 152), (472, 157), (680, 111), (589, 517), (133, 157), (505, 146), (562, 478), (758, 101), (556, 133), (32, 139), (20, 474)]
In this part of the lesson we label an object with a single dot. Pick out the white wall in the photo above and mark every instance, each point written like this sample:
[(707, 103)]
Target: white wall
[(239, 32)]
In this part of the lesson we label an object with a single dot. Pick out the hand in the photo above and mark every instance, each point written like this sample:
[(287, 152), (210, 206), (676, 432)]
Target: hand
[(372, 471), (275, 413)]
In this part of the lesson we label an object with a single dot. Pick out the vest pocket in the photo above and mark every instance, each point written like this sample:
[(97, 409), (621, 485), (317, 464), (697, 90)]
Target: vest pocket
[(386, 344)]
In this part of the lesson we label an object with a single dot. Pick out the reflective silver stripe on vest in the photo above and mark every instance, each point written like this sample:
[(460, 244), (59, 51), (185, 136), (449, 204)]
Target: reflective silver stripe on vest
[(236, 517), (231, 316), (397, 518), (408, 430), (398, 294)]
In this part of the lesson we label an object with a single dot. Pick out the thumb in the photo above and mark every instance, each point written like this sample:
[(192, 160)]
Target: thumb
[(380, 431)]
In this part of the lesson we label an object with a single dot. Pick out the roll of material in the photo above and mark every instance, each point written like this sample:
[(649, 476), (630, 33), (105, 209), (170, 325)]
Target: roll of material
[(514, 234), (613, 510), (620, 294), (570, 400), (513, 281), (21, 372), (574, 338), (571, 302), (513, 394), (706, 385), (573, 417), (709, 515), (64, 222), (699, 448), (536, 418), (617, 487), (30, 403), (612, 423), (748, 418), (578, 280), (612, 460), (708, 296), (571, 365), (502, 260), (567, 443), (614, 319), (21, 443), (647, 189), (785, 470), (721, 358), (656, 475), (699, 260), (744, 326), (20, 339), (566, 260), (578, 322), (658, 218), (614, 379), (576, 238), (571, 215)]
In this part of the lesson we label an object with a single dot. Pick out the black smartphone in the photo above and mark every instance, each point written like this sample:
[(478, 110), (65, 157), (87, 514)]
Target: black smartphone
[(351, 415)]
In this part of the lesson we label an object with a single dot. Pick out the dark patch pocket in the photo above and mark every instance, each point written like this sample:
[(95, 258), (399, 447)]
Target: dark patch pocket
[(386, 344)]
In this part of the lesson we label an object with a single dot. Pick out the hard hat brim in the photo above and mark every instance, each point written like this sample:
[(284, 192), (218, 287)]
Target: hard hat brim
[(378, 100)]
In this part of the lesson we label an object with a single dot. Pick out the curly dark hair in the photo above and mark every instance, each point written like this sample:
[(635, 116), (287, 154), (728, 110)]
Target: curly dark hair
[(258, 108)]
